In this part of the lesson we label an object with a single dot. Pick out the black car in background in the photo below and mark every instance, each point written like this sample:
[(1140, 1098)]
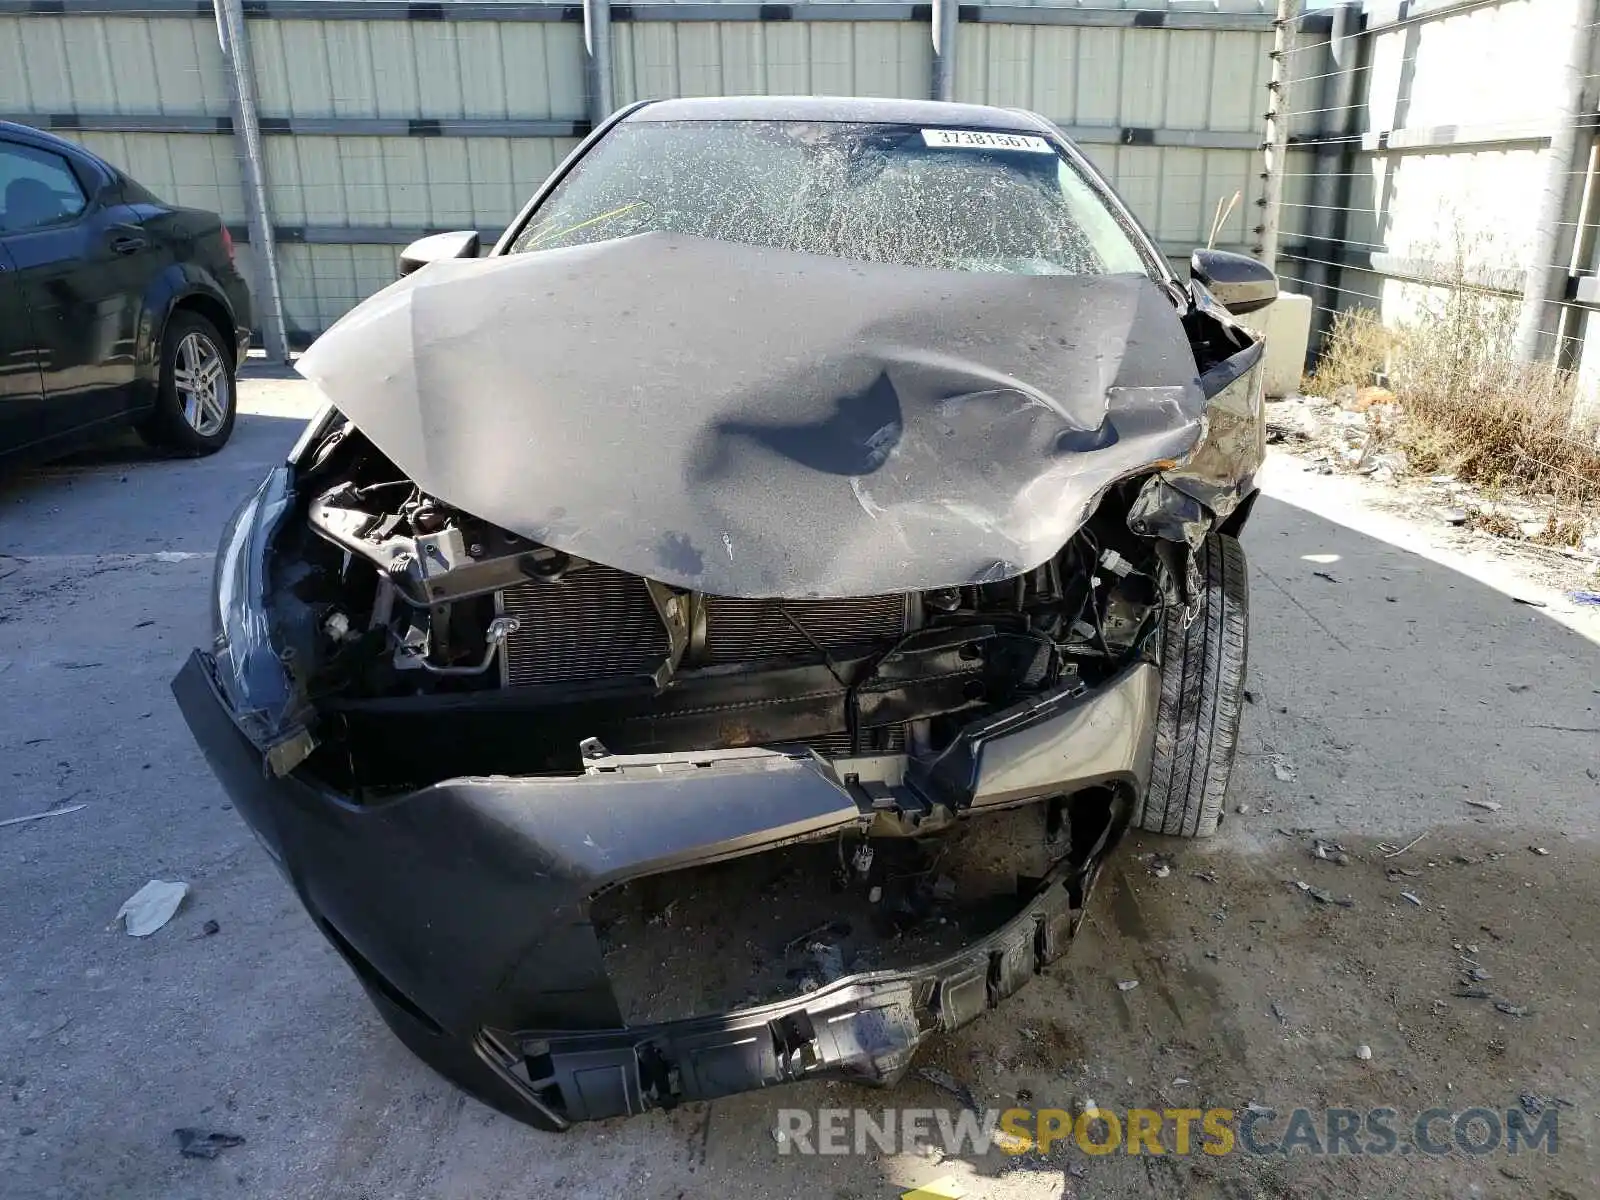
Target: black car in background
[(115, 308)]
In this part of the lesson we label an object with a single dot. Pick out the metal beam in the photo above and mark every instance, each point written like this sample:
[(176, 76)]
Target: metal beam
[(513, 127), (465, 10), (943, 21), (1279, 107), (597, 59), (235, 44)]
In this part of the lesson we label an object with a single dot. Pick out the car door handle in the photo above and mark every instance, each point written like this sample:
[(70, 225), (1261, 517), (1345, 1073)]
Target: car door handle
[(127, 243)]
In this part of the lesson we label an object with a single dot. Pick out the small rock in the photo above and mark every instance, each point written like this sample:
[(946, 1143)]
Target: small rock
[(874, 895), (1478, 973), (1364, 1053), (202, 1143), (944, 888), (1127, 985)]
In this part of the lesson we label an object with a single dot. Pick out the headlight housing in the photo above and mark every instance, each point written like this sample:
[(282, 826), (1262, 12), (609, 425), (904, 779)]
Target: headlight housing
[(249, 671)]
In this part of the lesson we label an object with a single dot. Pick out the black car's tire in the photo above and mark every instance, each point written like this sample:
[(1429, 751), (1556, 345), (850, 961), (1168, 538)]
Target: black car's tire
[(458, 1063), (1202, 697), (197, 394)]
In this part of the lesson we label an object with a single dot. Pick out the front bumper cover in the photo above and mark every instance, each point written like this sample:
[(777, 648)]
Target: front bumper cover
[(464, 906)]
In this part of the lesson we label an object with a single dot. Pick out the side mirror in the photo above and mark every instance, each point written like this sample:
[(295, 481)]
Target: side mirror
[(437, 246), (1240, 284)]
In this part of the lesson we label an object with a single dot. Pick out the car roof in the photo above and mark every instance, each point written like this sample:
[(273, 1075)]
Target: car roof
[(842, 108), (38, 137)]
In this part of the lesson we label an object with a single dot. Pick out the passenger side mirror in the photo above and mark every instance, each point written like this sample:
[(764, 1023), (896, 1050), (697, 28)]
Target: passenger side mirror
[(1239, 283), (437, 246)]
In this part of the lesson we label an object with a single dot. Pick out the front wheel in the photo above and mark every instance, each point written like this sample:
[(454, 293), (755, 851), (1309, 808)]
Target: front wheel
[(1203, 653), (196, 396)]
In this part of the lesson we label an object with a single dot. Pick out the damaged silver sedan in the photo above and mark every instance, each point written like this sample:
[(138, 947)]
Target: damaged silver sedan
[(800, 549)]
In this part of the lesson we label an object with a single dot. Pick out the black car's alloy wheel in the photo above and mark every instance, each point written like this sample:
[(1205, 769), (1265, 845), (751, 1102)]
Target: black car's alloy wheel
[(197, 400)]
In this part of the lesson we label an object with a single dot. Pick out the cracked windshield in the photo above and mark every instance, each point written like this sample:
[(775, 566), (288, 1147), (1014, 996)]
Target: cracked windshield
[(896, 194)]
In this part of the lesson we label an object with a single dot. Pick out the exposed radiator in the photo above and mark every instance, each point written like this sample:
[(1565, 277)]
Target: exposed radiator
[(599, 623), (595, 623), (751, 630)]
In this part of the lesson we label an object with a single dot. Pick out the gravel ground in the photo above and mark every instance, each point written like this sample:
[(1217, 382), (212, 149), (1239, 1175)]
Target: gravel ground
[(1395, 680)]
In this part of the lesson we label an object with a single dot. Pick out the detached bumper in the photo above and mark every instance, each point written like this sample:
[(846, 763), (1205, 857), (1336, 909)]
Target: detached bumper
[(464, 906)]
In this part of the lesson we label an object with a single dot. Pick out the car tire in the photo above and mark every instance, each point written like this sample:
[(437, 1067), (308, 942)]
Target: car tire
[(197, 394), (1202, 697)]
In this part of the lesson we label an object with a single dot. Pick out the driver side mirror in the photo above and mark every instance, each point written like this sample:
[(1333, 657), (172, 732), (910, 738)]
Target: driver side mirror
[(438, 246), (1239, 283)]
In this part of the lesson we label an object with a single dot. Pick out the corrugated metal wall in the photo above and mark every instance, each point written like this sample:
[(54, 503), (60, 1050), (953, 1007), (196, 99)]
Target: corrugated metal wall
[(380, 128), (1444, 158)]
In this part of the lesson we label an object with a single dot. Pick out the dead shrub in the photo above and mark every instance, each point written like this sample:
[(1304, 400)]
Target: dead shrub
[(1467, 406)]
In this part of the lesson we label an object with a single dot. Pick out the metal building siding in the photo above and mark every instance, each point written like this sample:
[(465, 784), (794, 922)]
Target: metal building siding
[(168, 65), (195, 170), (418, 69), (409, 182), (652, 60)]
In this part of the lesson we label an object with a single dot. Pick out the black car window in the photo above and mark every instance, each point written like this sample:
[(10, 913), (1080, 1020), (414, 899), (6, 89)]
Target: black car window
[(902, 194), (37, 188)]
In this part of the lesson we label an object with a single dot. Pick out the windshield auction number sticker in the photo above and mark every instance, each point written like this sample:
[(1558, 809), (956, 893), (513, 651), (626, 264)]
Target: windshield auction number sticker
[(984, 139)]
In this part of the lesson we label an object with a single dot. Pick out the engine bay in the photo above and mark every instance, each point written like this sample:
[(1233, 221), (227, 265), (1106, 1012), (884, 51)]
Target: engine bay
[(431, 643)]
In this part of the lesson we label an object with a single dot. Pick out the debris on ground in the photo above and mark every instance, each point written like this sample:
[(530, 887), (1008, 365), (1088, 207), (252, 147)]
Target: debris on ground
[(1452, 515), (1207, 876), (1487, 805), (1539, 850), (1127, 985), (205, 1143), (151, 907), (1529, 603), (1584, 597), (39, 816), (1412, 897), (1364, 1053), (1511, 1010), (1394, 874), (1389, 851), (829, 960), (1277, 1011), (1243, 810), (947, 1082), (1322, 896), (1330, 852), (1284, 768)]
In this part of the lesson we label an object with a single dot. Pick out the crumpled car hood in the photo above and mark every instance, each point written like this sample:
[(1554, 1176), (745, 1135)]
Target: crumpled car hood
[(754, 422)]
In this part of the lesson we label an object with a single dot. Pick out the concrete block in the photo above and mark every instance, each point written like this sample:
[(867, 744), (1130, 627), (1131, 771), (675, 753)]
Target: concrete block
[(1286, 326)]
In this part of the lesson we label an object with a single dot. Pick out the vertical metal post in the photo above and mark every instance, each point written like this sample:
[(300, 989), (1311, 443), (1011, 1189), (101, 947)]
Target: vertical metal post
[(1539, 289), (1277, 139), (1330, 189), (946, 16), (235, 44), (597, 58)]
